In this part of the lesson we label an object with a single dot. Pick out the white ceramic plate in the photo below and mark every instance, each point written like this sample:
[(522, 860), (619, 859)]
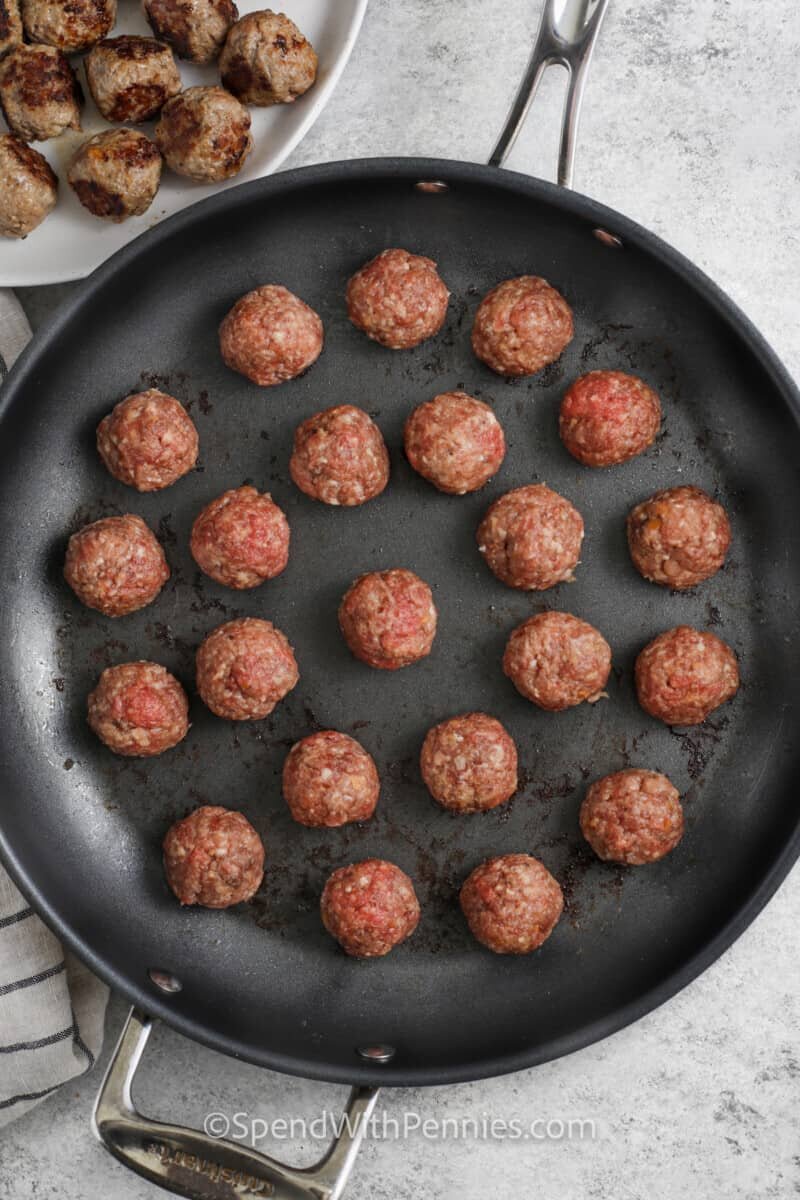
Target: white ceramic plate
[(70, 242)]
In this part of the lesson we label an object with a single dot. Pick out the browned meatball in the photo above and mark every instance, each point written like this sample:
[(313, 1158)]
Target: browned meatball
[(454, 441), (632, 817), (511, 903), (10, 26), (115, 565), (608, 417), (369, 907), (340, 457), (388, 619), (398, 299), (521, 325), (244, 668), (204, 134), (557, 661), (330, 780), (684, 674), (241, 538), (139, 710), (213, 857), (678, 537), (71, 25), (28, 187), (131, 78), (196, 29), (148, 441), (531, 538), (116, 174), (270, 335), (469, 763), (266, 60), (39, 93)]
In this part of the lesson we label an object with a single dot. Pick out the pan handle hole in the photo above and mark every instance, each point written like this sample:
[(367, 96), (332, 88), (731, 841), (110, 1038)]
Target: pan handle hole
[(608, 239), (377, 1054), (164, 980), (432, 187)]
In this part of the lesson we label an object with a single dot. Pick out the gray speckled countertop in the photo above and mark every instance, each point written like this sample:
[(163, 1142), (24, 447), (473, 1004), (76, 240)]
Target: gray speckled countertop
[(690, 127)]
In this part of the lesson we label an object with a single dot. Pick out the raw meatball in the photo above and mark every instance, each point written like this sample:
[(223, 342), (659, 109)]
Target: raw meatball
[(71, 25), (521, 325), (241, 538), (531, 538), (116, 174), (340, 457), (632, 817), (139, 710), (270, 335), (684, 674), (213, 857), (39, 93), (28, 187), (556, 661), (369, 907), (511, 903), (329, 780), (608, 417), (148, 441), (244, 668), (10, 25), (398, 299), (204, 134), (388, 619), (115, 565), (196, 29), (678, 537), (455, 442), (131, 78), (469, 763), (266, 60)]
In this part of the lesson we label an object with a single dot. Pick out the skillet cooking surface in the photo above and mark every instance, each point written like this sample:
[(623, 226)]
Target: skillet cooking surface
[(82, 829)]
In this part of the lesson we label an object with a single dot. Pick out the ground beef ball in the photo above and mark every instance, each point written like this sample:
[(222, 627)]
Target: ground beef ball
[(71, 25), (131, 78), (39, 93), (116, 174), (608, 417), (531, 538), (678, 537), (244, 668), (204, 134), (340, 457), (521, 325), (115, 565), (369, 907), (632, 817), (684, 674), (10, 26), (241, 538), (556, 660), (388, 619), (469, 763), (266, 60), (195, 29), (28, 187), (138, 709), (148, 441), (455, 442), (270, 335), (329, 780), (398, 299), (511, 903), (213, 857)]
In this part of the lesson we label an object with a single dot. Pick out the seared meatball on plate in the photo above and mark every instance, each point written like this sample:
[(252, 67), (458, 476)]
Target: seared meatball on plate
[(266, 60), (39, 93), (28, 187), (116, 174)]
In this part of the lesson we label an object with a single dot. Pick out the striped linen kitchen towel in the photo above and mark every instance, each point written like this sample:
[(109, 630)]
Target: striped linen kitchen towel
[(51, 1007)]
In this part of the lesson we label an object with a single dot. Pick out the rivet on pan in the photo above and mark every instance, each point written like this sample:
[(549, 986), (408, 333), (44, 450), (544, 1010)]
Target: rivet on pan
[(164, 981), (433, 186), (608, 239), (378, 1054)]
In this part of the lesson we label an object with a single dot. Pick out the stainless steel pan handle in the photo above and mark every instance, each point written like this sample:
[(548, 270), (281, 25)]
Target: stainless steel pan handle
[(566, 38), (193, 1164)]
